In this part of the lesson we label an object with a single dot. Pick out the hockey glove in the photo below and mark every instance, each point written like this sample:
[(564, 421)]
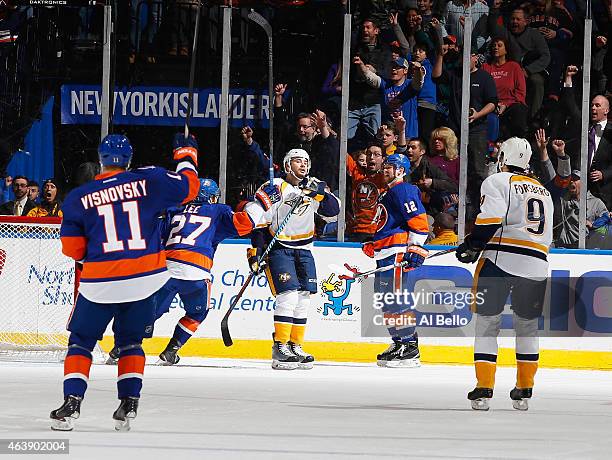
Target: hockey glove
[(253, 255), (415, 255), (368, 249), (185, 149), (268, 195), (313, 188), (466, 253)]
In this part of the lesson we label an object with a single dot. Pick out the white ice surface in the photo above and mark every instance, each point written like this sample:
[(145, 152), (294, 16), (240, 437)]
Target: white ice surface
[(205, 408)]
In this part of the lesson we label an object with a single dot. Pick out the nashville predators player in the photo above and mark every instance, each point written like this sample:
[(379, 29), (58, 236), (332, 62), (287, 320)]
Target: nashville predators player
[(290, 267), (510, 240)]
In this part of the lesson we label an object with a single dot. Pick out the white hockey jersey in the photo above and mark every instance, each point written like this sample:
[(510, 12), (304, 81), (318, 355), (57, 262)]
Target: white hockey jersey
[(300, 230), (524, 208)]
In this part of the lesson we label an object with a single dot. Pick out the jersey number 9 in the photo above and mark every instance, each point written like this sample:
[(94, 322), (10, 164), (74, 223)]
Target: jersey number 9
[(535, 214)]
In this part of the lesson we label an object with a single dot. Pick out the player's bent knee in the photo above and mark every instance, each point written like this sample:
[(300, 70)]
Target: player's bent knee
[(301, 310), (82, 341), (197, 315), (525, 327), (131, 349), (488, 325), (286, 303)]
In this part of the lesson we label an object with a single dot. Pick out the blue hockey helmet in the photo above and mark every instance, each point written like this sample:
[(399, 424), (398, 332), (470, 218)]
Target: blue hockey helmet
[(399, 160), (208, 190), (115, 150)]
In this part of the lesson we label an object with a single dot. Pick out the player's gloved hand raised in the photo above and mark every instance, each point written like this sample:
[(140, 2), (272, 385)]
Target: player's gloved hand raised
[(253, 256), (368, 249), (185, 149), (268, 195), (414, 256), (466, 253), (313, 188)]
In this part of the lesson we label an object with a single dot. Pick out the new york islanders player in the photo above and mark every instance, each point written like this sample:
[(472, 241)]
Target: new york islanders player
[(111, 225), (513, 232), (290, 269), (402, 229), (195, 231)]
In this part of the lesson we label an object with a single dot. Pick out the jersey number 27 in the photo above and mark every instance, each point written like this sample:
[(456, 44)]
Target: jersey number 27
[(202, 223)]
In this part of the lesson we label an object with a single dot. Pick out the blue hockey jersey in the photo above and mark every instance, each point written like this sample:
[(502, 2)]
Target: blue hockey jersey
[(111, 224), (401, 220), (195, 231)]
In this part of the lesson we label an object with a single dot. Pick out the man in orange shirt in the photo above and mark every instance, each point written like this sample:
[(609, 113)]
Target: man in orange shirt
[(367, 185)]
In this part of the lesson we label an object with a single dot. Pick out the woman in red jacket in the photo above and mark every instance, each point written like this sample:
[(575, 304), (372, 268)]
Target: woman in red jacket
[(509, 79)]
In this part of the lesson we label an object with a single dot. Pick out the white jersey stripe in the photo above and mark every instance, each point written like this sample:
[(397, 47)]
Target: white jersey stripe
[(130, 375), (76, 375)]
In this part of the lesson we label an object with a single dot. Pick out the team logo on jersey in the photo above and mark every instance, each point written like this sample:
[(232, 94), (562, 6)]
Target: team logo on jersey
[(381, 216), (301, 209), (365, 195), (337, 289), (284, 277)]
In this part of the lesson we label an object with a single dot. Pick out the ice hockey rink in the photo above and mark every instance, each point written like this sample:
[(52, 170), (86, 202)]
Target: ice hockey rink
[(212, 408)]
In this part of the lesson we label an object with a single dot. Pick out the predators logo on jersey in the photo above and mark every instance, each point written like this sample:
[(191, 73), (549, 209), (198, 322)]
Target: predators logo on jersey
[(301, 209), (300, 229)]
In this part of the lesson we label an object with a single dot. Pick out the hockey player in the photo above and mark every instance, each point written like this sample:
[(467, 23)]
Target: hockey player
[(111, 225), (514, 232), (290, 267), (402, 230), (194, 234)]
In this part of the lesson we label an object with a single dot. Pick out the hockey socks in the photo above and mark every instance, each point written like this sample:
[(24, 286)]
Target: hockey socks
[(486, 365), (77, 365), (298, 331), (184, 329), (485, 349), (76, 372), (130, 371), (527, 350), (526, 368), (283, 326)]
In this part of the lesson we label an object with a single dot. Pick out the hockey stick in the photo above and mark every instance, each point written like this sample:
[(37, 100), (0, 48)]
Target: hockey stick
[(225, 334), (194, 51), (352, 273), (265, 25)]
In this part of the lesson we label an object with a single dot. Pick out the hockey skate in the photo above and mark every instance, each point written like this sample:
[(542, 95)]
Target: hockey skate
[(283, 358), (520, 398), (400, 355), (113, 357), (62, 419), (306, 359), (125, 412), (169, 356), (480, 397)]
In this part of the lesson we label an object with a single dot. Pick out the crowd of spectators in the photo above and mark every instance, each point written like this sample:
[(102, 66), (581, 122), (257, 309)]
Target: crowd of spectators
[(27, 199), (405, 87), (405, 97)]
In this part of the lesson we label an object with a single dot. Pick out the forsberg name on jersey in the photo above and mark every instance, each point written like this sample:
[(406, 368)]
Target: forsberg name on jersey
[(531, 188), (135, 189)]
